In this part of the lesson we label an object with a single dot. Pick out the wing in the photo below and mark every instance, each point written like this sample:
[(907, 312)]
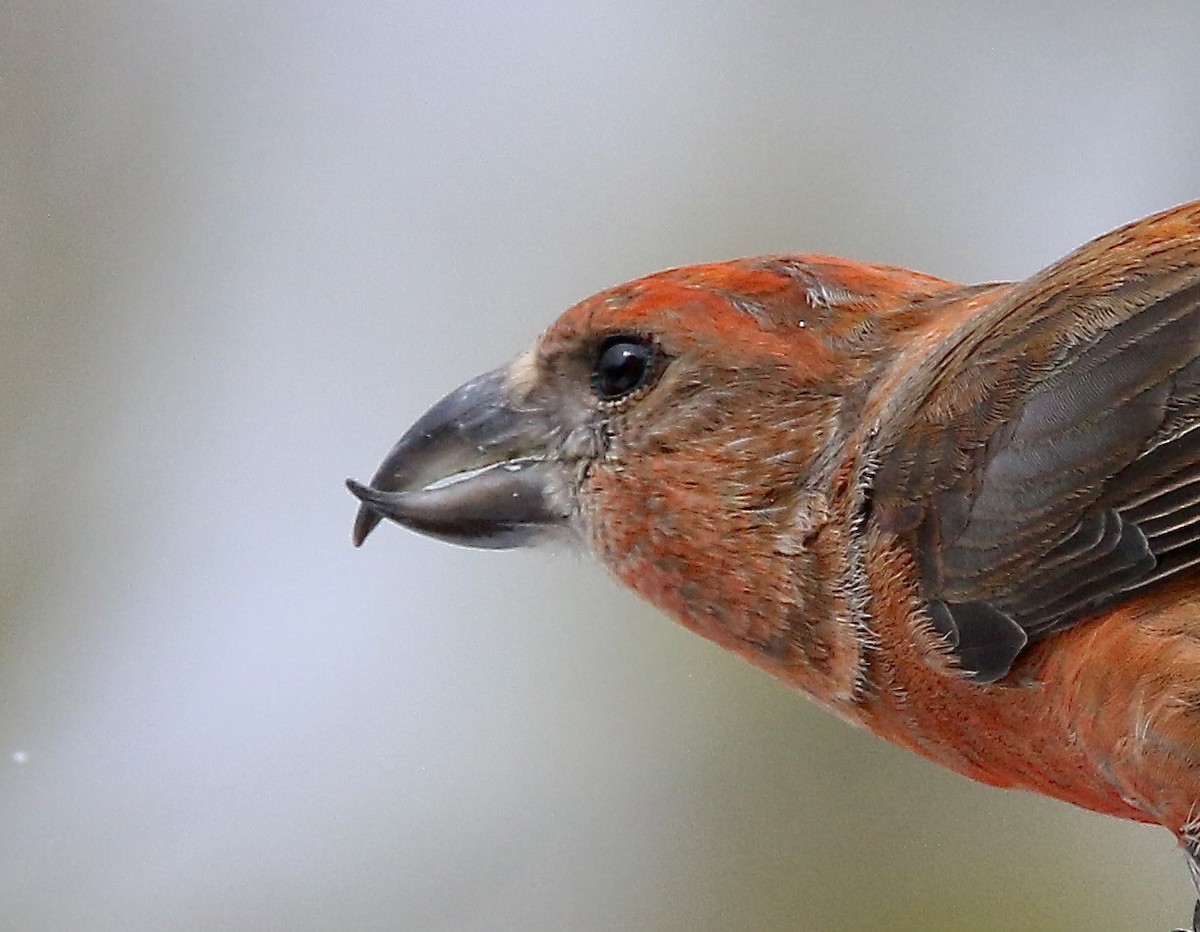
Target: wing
[(1044, 462)]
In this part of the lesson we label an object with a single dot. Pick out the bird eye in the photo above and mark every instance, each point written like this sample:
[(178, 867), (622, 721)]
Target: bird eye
[(623, 365)]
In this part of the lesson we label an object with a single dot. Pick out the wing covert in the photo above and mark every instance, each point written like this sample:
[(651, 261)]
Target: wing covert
[(1044, 462)]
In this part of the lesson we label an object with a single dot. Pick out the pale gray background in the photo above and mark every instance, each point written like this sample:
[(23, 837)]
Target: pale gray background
[(242, 246)]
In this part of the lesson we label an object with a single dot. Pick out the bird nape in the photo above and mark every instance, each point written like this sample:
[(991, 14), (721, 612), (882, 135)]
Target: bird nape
[(966, 518)]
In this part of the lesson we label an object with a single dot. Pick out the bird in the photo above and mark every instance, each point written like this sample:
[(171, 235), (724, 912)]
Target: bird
[(963, 517)]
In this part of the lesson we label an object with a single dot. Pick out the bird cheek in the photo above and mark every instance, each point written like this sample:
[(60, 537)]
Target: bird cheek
[(614, 523)]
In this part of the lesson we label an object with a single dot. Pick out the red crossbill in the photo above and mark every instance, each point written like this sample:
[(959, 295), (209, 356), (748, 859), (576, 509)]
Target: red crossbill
[(966, 518)]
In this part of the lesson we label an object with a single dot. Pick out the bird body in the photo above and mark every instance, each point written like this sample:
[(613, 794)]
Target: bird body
[(966, 518)]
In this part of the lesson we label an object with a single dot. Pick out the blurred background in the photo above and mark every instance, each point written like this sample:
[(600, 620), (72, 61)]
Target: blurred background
[(242, 246)]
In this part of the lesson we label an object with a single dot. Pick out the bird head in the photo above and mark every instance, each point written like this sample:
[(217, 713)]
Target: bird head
[(685, 427)]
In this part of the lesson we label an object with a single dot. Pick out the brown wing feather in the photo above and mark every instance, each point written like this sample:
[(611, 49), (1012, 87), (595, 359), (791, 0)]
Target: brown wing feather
[(1045, 461)]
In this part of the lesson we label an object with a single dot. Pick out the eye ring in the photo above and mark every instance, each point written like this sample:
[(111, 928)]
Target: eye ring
[(623, 364)]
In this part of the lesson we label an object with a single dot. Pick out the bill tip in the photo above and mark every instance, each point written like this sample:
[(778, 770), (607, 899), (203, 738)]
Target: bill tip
[(366, 519)]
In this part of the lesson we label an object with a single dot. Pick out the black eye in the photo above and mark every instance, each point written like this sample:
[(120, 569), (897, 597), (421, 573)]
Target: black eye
[(623, 365)]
